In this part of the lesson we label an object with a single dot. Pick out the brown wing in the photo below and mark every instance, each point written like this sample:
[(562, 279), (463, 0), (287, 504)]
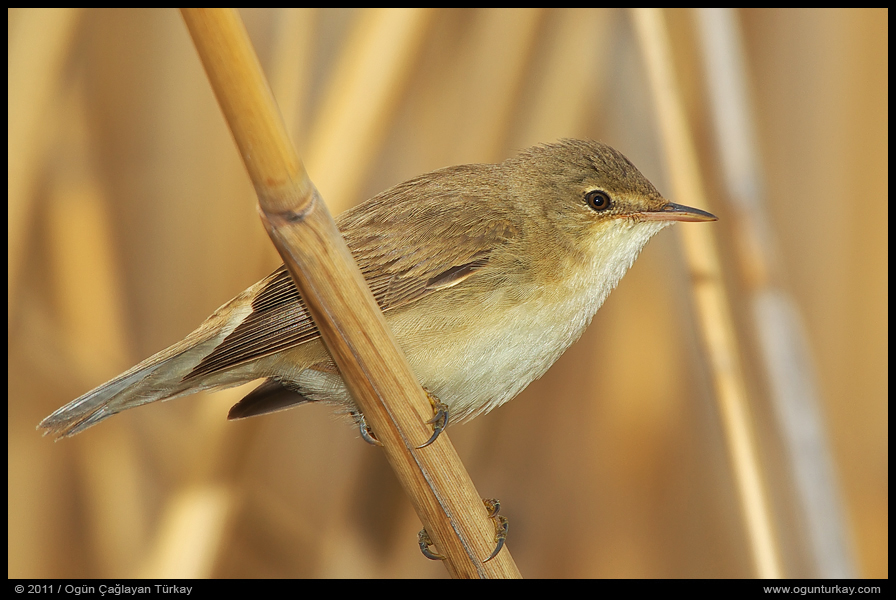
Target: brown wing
[(394, 254)]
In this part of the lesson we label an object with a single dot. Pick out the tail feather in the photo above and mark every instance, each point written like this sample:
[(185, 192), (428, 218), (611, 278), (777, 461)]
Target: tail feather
[(141, 385), (95, 405), (159, 377)]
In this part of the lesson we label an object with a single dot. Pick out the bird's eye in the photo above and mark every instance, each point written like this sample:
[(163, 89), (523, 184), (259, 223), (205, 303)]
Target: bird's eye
[(598, 200)]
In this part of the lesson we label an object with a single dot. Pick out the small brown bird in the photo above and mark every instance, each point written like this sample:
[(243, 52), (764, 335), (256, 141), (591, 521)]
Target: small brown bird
[(486, 274)]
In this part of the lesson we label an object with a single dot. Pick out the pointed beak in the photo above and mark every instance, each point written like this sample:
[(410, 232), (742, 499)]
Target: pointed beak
[(677, 212)]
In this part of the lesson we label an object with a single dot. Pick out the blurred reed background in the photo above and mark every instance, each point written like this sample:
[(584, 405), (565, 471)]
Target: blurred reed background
[(131, 218)]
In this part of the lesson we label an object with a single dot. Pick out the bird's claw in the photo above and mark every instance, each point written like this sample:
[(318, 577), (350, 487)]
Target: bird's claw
[(425, 542), (501, 525), (439, 420), (366, 433)]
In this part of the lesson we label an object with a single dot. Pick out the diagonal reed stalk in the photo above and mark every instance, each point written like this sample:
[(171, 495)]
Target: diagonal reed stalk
[(375, 371)]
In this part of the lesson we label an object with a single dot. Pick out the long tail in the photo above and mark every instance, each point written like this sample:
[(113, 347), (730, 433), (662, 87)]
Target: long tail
[(159, 377)]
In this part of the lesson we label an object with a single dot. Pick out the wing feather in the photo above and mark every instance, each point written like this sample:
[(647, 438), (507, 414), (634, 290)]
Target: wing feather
[(400, 265)]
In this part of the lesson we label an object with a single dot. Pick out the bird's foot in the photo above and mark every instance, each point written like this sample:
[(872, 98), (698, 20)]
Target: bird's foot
[(501, 525), (439, 420), (425, 542)]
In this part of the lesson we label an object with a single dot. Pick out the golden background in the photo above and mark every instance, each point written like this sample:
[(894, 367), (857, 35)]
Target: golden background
[(131, 218)]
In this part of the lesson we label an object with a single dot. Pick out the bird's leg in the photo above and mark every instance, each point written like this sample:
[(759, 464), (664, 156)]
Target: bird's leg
[(501, 525), (439, 420)]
